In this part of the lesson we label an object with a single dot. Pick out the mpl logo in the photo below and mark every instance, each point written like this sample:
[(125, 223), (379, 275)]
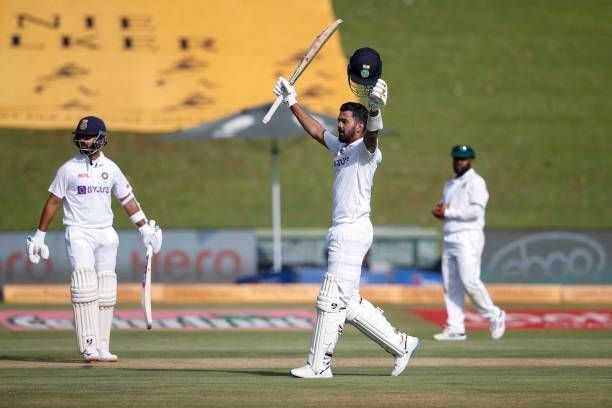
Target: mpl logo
[(549, 257)]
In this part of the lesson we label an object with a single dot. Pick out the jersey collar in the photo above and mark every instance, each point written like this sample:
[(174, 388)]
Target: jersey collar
[(466, 175)]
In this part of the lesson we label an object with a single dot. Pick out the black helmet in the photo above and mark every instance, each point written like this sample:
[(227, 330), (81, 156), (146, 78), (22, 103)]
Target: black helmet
[(364, 69), (87, 127)]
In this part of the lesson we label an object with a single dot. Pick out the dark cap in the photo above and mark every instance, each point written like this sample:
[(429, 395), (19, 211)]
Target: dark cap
[(365, 66), (90, 126), (463, 151)]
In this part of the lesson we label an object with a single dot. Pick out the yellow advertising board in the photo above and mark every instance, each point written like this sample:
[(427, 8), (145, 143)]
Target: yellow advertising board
[(157, 65)]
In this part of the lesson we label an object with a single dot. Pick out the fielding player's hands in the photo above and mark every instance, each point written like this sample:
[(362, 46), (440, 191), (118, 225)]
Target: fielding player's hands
[(438, 210), (378, 97), (36, 248), (151, 235), (286, 90)]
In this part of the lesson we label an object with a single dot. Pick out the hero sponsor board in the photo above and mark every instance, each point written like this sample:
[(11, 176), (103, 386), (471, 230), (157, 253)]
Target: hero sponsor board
[(187, 256)]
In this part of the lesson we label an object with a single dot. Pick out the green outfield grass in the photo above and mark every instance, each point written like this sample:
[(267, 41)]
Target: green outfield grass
[(526, 82), (182, 369)]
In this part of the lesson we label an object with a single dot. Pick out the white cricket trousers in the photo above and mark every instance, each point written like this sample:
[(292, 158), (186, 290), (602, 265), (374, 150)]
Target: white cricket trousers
[(347, 245), (92, 248), (461, 259)]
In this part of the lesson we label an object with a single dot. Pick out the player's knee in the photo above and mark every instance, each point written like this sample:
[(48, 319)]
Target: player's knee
[(84, 285), (328, 299), (472, 288), (107, 288), (360, 306)]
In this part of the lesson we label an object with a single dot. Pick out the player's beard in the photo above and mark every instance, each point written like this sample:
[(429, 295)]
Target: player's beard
[(346, 135), (460, 171)]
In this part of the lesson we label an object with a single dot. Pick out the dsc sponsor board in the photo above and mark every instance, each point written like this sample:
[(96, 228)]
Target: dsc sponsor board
[(175, 319), (571, 257), (529, 319), (187, 256)]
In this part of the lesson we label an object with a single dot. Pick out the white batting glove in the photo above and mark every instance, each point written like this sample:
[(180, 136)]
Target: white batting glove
[(36, 248), (286, 90), (151, 235), (378, 97)]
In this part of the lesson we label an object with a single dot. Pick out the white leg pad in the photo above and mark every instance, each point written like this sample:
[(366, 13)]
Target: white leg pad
[(372, 322), (107, 290), (329, 326), (84, 293)]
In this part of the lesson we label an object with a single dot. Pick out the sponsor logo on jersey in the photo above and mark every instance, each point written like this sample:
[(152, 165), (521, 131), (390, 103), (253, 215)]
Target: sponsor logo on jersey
[(93, 189), (83, 175), (104, 175), (341, 162)]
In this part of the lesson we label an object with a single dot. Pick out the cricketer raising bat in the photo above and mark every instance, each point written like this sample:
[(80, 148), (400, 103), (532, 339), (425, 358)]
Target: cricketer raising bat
[(314, 49), (146, 289)]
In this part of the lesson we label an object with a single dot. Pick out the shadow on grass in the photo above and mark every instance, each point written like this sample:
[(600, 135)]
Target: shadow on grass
[(260, 373), (42, 359), (77, 363)]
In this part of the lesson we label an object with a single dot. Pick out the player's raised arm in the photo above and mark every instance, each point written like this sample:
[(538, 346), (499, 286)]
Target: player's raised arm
[(376, 100), (310, 124)]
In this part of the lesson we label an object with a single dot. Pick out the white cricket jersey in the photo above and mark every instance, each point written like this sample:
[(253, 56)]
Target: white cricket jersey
[(86, 190), (354, 168), (467, 198)]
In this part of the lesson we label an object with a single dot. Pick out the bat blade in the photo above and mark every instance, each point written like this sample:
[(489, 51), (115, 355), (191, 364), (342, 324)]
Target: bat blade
[(314, 49), (312, 52), (146, 290)]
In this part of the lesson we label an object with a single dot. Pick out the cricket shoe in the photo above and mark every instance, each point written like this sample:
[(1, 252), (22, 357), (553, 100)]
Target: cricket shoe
[(90, 354), (410, 345), (106, 356), (498, 326), (307, 372), (448, 335)]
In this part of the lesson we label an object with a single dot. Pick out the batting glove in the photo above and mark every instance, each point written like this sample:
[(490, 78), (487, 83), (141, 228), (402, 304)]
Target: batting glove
[(378, 97), (286, 90), (151, 235), (36, 248)]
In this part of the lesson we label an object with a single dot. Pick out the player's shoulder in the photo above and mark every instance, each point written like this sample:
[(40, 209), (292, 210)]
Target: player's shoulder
[(74, 161), (110, 163), (477, 176), (477, 179)]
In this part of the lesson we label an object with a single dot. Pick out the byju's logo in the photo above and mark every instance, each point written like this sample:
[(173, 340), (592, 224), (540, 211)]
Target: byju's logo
[(549, 257), (93, 189)]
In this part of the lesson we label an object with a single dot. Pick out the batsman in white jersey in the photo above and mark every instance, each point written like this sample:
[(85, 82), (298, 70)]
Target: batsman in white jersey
[(355, 156), (84, 185), (462, 208)]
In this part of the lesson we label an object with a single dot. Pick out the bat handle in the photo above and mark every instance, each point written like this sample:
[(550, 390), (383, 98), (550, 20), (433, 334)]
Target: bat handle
[(149, 251), (273, 108)]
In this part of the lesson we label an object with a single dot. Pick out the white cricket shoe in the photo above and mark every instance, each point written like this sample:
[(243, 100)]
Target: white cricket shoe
[(498, 326), (448, 335), (106, 356), (90, 354), (411, 344), (306, 372)]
